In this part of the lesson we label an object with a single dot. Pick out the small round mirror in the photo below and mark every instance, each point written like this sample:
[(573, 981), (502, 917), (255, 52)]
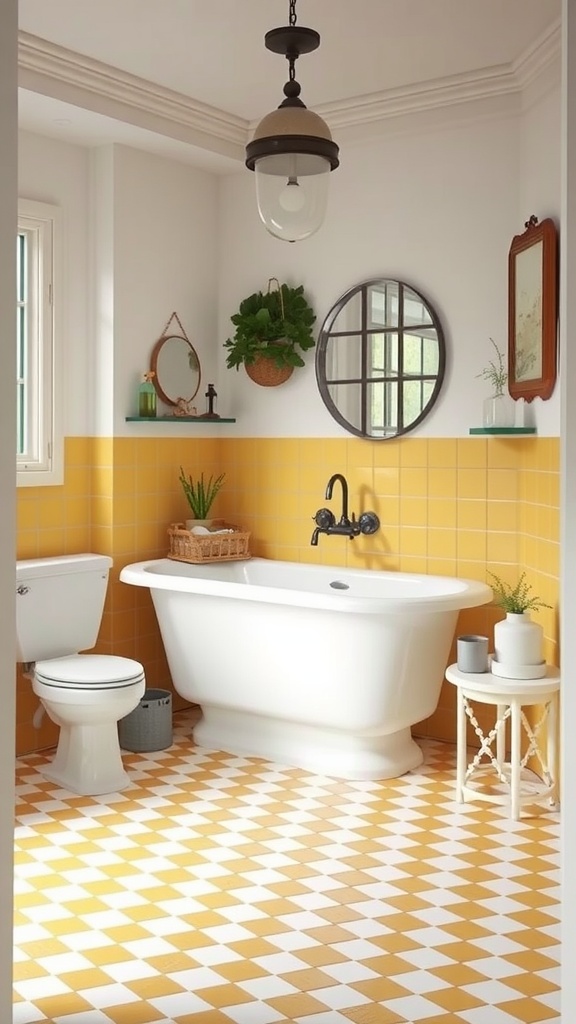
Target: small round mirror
[(177, 369), (380, 359)]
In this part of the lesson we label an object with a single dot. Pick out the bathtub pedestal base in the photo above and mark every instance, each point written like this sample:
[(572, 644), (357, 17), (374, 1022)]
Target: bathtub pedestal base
[(330, 752)]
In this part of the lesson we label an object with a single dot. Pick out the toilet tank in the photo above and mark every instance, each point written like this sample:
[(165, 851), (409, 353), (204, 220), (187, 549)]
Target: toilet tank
[(59, 604)]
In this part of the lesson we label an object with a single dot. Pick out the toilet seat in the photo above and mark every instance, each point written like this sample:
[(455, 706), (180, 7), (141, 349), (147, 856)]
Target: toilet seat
[(94, 671)]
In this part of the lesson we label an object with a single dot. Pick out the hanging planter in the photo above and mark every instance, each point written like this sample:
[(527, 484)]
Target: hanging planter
[(270, 328), (264, 371)]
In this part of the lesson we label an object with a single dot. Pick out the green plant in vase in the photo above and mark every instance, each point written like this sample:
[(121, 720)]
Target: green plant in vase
[(515, 600), (498, 410), (200, 494), (518, 642)]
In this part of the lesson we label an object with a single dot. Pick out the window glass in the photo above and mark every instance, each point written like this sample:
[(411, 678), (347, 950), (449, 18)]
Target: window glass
[(39, 446)]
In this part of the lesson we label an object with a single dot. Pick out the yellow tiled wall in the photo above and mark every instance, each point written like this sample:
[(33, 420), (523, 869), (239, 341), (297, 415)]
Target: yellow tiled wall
[(453, 506)]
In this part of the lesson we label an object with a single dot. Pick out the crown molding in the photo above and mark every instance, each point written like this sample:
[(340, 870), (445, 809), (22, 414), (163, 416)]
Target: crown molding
[(64, 74), (469, 87)]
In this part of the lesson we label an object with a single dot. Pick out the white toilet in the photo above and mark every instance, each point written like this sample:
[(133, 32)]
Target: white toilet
[(59, 608)]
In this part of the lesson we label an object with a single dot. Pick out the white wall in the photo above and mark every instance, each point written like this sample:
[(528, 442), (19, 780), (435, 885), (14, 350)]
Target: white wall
[(437, 209), (165, 260), (539, 192), (8, 226), (434, 201)]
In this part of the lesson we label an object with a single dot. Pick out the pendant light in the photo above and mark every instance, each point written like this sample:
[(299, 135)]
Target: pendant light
[(292, 151)]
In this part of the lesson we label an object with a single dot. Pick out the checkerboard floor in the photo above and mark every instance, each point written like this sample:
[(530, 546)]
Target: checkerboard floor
[(230, 890)]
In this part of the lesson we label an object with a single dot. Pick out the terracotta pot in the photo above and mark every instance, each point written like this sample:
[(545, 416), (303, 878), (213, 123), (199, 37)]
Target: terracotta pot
[(267, 373)]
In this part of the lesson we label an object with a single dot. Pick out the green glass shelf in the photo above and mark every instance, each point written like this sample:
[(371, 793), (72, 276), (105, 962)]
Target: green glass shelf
[(180, 419), (511, 431)]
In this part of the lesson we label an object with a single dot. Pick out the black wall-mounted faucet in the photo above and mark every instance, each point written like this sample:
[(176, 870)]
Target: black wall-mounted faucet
[(326, 521)]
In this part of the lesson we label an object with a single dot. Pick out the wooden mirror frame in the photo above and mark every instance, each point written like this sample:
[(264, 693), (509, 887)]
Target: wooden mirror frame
[(173, 400), (533, 309), (179, 401)]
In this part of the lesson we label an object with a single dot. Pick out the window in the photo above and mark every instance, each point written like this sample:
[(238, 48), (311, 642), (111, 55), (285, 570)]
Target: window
[(39, 434)]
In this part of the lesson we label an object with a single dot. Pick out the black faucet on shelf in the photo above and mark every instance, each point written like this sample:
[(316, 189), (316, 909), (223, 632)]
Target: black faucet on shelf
[(345, 527)]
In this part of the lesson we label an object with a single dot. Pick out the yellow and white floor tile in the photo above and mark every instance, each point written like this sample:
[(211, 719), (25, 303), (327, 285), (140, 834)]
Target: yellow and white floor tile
[(229, 890)]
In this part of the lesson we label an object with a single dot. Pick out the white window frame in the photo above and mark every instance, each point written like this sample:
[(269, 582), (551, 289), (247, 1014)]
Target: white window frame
[(42, 460)]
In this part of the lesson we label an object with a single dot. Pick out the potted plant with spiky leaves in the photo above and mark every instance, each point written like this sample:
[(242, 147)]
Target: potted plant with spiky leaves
[(200, 495)]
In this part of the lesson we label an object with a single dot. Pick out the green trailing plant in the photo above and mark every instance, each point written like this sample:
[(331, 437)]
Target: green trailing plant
[(495, 373), (515, 599), (273, 324), (200, 495)]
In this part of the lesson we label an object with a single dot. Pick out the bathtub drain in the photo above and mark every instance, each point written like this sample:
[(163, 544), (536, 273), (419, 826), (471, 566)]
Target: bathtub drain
[(338, 585)]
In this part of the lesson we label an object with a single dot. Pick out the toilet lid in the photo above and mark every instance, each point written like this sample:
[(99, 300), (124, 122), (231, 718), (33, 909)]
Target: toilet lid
[(101, 671)]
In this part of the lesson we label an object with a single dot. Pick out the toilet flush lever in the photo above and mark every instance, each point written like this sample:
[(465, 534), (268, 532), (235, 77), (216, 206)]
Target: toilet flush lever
[(22, 589)]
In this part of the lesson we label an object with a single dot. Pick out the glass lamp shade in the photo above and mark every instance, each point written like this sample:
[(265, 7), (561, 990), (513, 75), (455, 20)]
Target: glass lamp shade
[(292, 154), (292, 201)]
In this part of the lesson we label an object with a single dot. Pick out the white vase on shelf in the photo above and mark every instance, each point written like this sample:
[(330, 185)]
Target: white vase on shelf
[(498, 411), (518, 647)]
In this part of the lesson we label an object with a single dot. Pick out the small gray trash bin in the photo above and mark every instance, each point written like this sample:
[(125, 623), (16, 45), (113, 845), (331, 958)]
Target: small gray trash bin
[(149, 726)]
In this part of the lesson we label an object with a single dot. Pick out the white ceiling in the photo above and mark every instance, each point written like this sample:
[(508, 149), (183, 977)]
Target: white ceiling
[(189, 77)]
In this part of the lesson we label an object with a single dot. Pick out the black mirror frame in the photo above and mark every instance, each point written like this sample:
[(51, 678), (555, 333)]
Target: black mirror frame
[(321, 348)]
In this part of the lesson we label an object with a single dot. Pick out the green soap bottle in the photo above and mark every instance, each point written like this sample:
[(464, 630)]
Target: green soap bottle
[(147, 397)]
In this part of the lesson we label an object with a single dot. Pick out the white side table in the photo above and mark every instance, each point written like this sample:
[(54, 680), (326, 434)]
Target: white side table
[(509, 696)]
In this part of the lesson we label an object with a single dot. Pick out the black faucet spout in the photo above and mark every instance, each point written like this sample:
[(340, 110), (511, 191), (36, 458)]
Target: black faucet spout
[(344, 484), (325, 519)]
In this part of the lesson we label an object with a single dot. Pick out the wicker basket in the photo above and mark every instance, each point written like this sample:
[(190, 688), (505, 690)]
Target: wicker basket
[(186, 546), (265, 372)]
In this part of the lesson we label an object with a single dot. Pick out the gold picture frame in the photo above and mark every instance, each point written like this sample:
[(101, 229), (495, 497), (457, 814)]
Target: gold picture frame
[(533, 310)]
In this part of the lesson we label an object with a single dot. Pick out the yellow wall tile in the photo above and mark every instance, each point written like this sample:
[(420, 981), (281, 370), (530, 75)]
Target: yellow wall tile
[(387, 480), (387, 453), (471, 483), (442, 512), (471, 514), (414, 452), (502, 485), (442, 452), (502, 515), (442, 483), (502, 547), (447, 506), (413, 482), (471, 453), (441, 544), (413, 511)]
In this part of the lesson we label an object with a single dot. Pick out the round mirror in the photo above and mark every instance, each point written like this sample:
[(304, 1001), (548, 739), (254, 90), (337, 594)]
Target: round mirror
[(380, 359), (177, 369)]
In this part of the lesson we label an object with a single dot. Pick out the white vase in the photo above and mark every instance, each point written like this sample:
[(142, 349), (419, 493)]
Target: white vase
[(498, 411), (519, 647)]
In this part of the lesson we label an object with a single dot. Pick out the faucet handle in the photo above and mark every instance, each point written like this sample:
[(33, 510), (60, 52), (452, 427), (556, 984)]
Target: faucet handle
[(324, 518), (369, 522)]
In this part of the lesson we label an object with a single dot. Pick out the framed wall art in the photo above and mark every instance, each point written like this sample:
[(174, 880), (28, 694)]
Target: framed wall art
[(533, 310)]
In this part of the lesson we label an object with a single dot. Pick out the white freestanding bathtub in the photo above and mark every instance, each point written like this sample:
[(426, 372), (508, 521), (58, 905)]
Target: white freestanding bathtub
[(318, 667)]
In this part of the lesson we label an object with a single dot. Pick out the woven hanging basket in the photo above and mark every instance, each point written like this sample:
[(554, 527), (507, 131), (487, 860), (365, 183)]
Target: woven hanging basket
[(267, 373)]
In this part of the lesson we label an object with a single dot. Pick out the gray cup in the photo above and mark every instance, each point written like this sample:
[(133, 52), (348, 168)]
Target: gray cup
[(472, 652)]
